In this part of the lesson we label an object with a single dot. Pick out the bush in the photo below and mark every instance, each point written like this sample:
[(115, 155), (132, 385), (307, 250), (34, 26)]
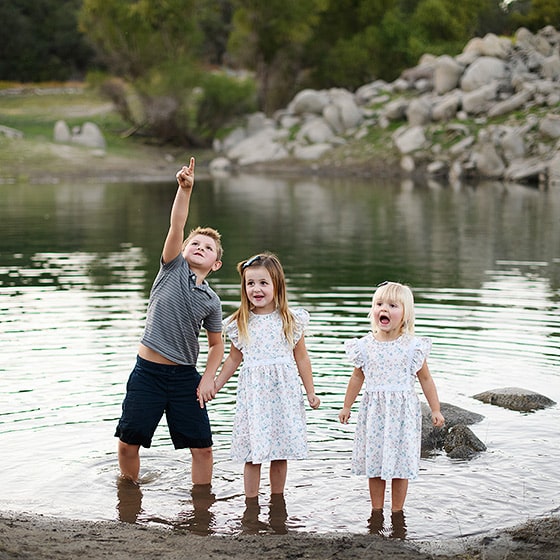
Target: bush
[(222, 98)]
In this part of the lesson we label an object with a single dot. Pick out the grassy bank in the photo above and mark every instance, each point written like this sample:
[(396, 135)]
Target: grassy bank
[(33, 110)]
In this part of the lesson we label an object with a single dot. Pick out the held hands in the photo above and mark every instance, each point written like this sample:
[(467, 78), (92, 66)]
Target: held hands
[(205, 391), (314, 400), (185, 176)]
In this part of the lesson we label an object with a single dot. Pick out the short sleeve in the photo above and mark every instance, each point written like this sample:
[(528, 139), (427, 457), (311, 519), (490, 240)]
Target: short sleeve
[(301, 317), (422, 349), (232, 332), (353, 352)]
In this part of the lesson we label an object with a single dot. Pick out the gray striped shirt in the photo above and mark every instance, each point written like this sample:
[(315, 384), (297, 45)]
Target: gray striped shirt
[(177, 310)]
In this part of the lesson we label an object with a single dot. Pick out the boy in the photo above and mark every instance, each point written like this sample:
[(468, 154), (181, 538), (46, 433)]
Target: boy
[(165, 378)]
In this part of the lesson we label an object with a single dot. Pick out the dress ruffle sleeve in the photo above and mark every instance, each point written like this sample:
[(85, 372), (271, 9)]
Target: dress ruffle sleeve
[(232, 332), (421, 352), (353, 352), (302, 322)]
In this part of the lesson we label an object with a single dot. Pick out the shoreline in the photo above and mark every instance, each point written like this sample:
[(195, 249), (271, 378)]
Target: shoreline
[(40, 537)]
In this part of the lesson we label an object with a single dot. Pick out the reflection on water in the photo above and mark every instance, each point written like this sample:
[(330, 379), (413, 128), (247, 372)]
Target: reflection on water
[(76, 266)]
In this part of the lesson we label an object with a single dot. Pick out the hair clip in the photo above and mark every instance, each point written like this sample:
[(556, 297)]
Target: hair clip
[(384, 283), (251, 261)]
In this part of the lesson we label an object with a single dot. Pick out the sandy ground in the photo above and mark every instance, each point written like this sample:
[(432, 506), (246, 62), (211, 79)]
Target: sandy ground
[(40, 538)]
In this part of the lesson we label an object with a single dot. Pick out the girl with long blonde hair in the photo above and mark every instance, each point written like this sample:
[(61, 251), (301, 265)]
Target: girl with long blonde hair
[(269, 338)]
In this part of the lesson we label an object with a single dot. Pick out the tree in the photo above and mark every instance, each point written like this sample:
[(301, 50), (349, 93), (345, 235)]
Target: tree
[(134, 36), (269, 38), (41, 41), (157, 48), (535, 14)]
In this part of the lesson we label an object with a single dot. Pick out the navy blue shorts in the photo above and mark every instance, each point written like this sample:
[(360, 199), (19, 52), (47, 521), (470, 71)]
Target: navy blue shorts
[(153, 389)]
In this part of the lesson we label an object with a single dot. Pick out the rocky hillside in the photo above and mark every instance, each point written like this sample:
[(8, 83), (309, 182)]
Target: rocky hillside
[(492, 111)]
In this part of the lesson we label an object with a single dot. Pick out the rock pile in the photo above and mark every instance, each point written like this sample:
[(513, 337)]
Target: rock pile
[(492, 111)]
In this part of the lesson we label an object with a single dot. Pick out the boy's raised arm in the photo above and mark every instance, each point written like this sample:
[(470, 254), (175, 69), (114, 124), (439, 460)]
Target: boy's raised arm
[(179, 213)]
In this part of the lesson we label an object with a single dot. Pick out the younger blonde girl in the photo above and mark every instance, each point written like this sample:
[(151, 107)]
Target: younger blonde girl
[(388, 428)]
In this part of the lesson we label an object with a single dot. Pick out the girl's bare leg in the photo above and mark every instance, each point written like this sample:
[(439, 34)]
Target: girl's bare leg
[(278, 474), (252, 479), (399, 488), (377, 492), (202, 465), (129, 460)]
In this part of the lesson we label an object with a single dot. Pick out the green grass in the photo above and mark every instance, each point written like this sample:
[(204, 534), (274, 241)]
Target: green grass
[(35, 114)]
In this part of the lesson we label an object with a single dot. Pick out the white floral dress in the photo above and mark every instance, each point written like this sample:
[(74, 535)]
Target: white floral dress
[(270, 419), (389, 425)]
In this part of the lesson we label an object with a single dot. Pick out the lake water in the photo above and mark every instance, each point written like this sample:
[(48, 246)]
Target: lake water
[(76, 266)]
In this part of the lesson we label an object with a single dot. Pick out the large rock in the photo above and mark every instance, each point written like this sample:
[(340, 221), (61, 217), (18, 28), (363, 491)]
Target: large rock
[(512, 143), (488, 162), (89, 135), (480, 100), (510, 104), (434, 438), (261, 147), (515, 398), (349, 115), (419, 112), (551, 67), (526, 170), (62, 132), (369, 92), (461, 443), (11, 133), (550, 126), (395, 110), (309, 101), (490, 45), (482, 72), (236, 136), (446, 74), (315, 131), (408, 140), (311, 152), (446, 108)]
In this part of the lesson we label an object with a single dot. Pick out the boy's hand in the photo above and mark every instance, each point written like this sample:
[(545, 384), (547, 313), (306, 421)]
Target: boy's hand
[(185, 176), (205, 391)]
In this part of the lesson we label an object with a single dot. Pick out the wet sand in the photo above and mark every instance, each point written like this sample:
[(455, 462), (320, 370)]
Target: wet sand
[(38, 538)]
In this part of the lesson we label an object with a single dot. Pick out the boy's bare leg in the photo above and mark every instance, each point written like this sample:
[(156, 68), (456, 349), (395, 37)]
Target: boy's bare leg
[(252, 479), (278, 474), (399, 488), (202, 465), (129, 460), (377, 492)]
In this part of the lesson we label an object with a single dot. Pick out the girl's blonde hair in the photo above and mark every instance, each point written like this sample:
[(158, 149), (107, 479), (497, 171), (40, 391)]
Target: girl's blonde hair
[(399, 293), (274, 268)]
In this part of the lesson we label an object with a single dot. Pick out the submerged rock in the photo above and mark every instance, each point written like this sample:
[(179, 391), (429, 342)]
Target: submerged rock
[(434, 438), (461, 443), (515, 398)]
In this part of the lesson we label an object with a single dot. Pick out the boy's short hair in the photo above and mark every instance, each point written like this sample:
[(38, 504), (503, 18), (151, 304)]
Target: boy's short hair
[(208, 232)]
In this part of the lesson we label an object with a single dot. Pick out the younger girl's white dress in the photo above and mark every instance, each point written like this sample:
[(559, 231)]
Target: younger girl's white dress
[(269, 420), (389, 425)]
